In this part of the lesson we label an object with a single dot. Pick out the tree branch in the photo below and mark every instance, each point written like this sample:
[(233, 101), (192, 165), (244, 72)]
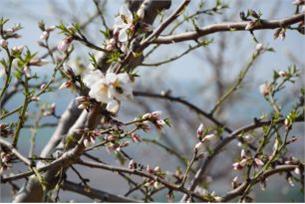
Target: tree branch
[(229, 26), (95, 193)]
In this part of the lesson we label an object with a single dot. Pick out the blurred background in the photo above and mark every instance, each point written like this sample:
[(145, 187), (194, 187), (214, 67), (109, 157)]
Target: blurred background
[(200, 77)]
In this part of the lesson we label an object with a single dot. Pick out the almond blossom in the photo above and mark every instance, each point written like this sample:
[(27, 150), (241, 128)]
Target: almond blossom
[(110, 88), (123, 24)]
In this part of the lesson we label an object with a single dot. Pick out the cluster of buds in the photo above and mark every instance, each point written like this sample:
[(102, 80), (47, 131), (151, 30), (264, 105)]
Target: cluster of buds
[(91, 137), (5, 159), (65, 44), (12, 32), (246, 158), (203, 137), (17, 50), (116, 147), (156, 171), (155, 118), (5, 130)]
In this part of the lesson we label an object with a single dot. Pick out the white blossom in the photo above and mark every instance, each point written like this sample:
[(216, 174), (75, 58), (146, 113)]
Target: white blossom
[(110, 88), (123, 23), (113, 106)]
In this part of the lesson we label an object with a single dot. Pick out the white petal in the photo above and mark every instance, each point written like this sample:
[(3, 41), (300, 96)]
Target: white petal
[(113, 106), (111, 78), (124, 78), (99, 91), (126, 12), (91, 77), (123, 35)]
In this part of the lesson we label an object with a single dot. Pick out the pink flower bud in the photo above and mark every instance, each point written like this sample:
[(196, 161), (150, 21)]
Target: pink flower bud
[(43, 86), (64, 44), (258, 162), (132, 164), (44, 35), (157, 169), (198, 146), (209, 137), (237, 166), (259, 47), (66, 84), (135, 137), (156, 115), (3, 43), (200, 131), (243, 153), (265, 89), (297, 171)]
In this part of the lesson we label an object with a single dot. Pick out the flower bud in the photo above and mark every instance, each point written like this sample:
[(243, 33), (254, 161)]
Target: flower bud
[(200, 131), (18, 49), (157, 169), (132, 164), (265, 89), (3, 43), (250, 25), (66, 84), (297, 171), (135, 137), (38, 62), (258, 162), (64, 44), (259, 47), (44, 35), (198, 146), (235, 182), (283, 73), (156, 115)]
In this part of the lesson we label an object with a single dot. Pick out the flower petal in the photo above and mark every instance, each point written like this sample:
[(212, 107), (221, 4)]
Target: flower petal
[(113, 106)]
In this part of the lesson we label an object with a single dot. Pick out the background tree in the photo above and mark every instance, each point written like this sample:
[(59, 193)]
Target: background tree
[(220, 150)]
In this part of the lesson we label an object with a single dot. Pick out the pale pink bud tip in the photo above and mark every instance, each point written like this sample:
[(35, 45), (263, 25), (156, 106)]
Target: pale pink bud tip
[(64, 44), (200, 130), (3, 43), (44, 35), (258, 162), (259, 47)]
